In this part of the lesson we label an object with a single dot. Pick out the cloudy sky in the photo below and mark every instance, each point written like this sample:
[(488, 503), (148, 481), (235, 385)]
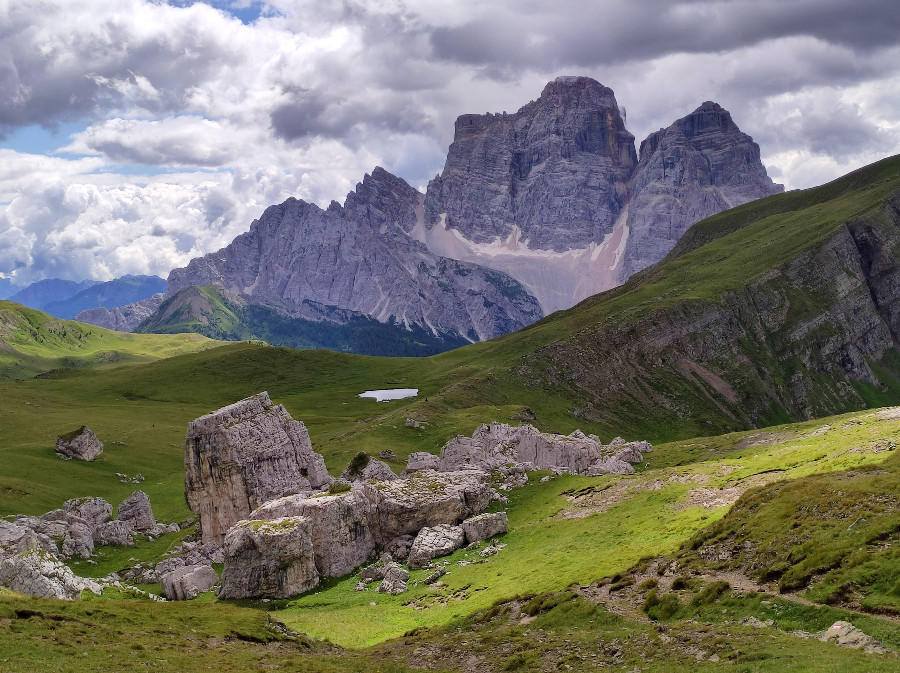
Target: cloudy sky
[(137, 134)]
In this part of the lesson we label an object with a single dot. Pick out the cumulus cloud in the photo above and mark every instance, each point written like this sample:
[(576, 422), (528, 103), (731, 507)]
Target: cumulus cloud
[(196, 115)]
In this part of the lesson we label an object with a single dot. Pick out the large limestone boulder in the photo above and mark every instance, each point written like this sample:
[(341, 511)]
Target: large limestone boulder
[(42, 575), (343, 528), (136, 510), (94, 511), (269, 559), (427, 498), (364, 468), (119, 533), (435, 541), (485, 526), (187, 582), (422, 460), (244, 455), (80, 444), (16, 539)]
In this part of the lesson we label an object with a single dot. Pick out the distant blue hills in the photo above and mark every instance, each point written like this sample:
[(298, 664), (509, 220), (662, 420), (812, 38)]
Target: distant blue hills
[(65, 298)]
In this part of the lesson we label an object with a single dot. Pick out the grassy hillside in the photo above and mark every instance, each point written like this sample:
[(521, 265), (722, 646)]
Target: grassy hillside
[(534, 605), (32, 342)]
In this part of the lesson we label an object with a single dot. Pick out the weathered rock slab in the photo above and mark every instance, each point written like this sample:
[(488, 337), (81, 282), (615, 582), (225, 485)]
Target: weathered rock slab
[(80, 444), (342, 528), (433, 542), (42, 575), (137, 511), (188, 582), (485, 526), (269, 559), (244, 455)]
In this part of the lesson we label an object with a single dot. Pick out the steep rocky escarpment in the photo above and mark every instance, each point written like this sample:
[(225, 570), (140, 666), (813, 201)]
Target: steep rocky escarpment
[(358, 257), (803, 339), (700, 165), (554, 195), (552, 174)]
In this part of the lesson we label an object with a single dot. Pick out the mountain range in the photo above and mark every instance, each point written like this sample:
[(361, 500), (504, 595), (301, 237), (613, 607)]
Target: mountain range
[(533, 212)]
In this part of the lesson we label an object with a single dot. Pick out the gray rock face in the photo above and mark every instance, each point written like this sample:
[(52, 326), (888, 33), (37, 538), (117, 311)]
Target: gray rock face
[(79, 541), (553, 174), (343, 528), (242, 456), (700, 165), (188, 582), (422, 460), (502, 448), (119, 533), (136, 511), (359, 257), (16, 539), (554, 195), (485, 526), (269, 559), (81, 444), (432, 542), (365, 467), (427, 498), (94, 511), (40, 574), (122, 318)]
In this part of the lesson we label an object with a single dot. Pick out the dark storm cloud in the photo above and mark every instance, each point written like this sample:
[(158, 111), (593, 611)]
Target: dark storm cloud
[(574, 33)]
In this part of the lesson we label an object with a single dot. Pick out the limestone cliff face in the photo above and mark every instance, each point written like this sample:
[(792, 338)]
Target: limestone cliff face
[(554, 195), (699, 166), (242, 456), (359, 257), (552, 174)]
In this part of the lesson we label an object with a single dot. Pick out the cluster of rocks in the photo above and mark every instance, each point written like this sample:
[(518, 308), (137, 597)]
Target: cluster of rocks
[(511, 450), (32, 548), (80, 444), (284, 524)]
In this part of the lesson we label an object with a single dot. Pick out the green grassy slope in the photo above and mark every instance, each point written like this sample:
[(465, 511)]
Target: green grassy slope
[(32, 342)]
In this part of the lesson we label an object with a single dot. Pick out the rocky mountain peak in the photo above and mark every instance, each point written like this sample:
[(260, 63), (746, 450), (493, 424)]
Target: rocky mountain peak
[(700, 165), (551, 175)]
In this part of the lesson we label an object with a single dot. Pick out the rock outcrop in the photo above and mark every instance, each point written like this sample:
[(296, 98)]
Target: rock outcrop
[(244, 455), (364, 468), (269, 559), (435, 541), (187, 582), (40, 574), (501, 448), (395, 579), (358, 257), (80, 444), (700, 165), (427, 498), (485, 526), (343, 528), (137, 512)]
